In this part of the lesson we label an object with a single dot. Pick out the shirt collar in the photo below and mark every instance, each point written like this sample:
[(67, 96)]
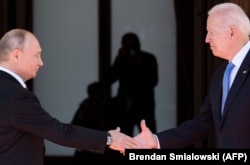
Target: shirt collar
[(18, 78), (239, 57)]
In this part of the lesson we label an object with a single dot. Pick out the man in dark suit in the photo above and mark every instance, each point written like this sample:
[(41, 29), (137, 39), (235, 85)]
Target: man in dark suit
[(228, 30), (24, 124)]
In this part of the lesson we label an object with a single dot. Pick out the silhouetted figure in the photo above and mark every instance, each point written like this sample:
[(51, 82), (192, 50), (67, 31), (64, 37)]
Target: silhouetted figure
[(97, 111), (91, 114), (137, 73)]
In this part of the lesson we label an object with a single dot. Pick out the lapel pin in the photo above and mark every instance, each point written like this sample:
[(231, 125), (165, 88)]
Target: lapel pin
[(244, 71)]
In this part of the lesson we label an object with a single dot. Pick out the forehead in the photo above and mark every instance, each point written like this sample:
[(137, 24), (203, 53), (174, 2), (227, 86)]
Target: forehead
[(214, 22), (32, 43)]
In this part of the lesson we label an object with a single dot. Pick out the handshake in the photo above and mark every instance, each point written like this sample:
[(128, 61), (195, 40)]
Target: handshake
[(144, 140)]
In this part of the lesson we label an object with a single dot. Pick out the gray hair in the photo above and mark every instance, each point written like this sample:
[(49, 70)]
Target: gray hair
[(14, 39), (232, 14)]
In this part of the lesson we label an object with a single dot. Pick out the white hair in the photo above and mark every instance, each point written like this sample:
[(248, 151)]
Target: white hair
[(232, 14)]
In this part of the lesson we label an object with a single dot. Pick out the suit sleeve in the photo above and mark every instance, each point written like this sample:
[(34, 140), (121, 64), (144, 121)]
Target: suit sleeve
[(27, 114), (189, 132)]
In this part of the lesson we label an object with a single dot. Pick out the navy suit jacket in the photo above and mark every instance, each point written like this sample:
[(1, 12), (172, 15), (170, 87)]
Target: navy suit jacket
[(232, 129), (24, 125)]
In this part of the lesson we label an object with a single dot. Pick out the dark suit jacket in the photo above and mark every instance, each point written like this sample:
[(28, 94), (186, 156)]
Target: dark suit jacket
[(232, 129), (24, 125)]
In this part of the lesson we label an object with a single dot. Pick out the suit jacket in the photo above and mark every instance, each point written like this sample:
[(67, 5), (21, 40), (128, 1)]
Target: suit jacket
[(232, 129), (24, 125)]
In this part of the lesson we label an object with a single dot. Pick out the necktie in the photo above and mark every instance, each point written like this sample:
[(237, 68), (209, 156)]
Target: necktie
[(226, 84)]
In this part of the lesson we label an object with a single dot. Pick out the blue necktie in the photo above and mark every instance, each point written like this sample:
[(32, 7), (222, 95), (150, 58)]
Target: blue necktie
[(226, 84)]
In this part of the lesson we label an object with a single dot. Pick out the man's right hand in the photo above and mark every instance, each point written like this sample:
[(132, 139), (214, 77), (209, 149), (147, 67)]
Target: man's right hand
[(146, 139)]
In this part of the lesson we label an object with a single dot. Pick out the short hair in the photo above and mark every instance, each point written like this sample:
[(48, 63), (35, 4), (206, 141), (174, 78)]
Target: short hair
[(232, 14), (14, 39)]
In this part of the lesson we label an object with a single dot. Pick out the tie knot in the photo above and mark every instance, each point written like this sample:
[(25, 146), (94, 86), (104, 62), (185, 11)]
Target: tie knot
[(230, 66)]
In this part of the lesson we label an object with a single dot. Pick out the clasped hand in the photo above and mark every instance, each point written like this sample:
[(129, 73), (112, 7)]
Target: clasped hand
[(144, 140)]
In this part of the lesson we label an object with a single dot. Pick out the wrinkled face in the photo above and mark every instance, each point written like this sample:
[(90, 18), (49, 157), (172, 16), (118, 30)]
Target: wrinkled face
[(29, 60), (218, 37)]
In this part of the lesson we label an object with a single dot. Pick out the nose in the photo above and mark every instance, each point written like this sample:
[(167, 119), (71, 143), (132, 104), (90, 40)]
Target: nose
[(40, 62), (207, 39)]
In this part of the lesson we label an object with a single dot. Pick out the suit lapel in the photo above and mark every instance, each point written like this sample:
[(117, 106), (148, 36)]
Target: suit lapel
[(239, 80), (8, 76), (216, 93)]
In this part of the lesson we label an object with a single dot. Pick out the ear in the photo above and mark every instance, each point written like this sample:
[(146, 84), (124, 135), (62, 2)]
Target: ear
[(233, 31), (15, 54)]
